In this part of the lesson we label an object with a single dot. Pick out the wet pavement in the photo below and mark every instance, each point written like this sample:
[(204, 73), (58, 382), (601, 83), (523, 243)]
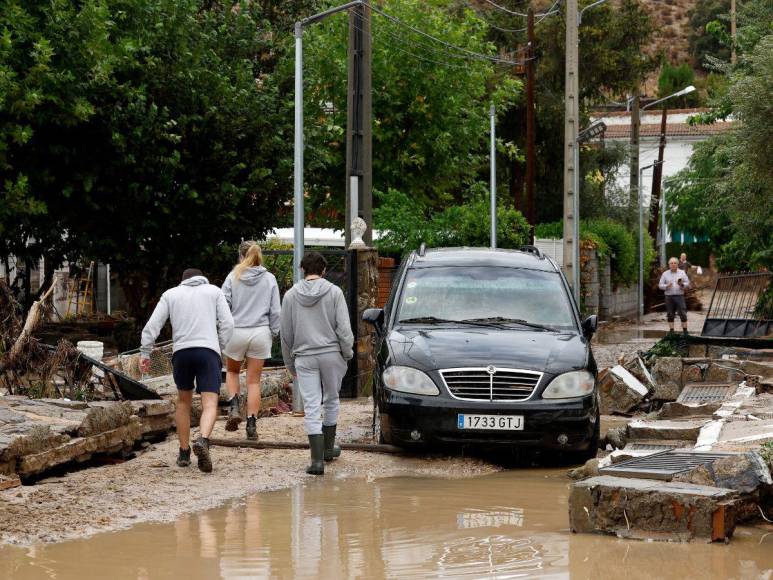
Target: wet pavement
[(511, 524)]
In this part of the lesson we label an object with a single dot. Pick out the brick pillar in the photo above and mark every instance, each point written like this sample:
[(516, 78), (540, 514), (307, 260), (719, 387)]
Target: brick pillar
[(367, 297)]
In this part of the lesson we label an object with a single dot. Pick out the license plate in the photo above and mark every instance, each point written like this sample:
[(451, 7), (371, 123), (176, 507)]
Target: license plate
[(490, 422)]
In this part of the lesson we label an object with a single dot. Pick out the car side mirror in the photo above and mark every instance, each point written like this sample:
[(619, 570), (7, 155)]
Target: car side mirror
[(374, 316), (590, 325)]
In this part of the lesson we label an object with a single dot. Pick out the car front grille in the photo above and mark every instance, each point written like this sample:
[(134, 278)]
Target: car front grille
[(490, 383)]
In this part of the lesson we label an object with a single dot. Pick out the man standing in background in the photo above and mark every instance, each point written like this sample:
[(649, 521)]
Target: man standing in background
[(201, 327), (674, 282)]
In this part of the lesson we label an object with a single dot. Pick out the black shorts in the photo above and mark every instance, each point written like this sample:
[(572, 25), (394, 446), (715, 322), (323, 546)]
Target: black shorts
[(676, 304), (202, 364)]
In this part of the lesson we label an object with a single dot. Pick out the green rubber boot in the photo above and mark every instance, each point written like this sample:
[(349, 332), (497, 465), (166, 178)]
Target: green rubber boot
[(317, 447), (331, 449)]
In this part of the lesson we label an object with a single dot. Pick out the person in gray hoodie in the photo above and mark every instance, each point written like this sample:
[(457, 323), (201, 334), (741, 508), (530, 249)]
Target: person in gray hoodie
[(253, 295), (317, 342), (201, 327)]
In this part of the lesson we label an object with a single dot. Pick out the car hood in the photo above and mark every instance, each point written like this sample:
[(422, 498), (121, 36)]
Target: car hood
[(442, 348)]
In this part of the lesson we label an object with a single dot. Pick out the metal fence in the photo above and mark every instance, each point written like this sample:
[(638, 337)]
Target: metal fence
[(741, 306)]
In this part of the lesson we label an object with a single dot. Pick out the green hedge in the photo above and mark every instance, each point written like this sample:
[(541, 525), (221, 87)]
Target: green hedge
[(613, 241)]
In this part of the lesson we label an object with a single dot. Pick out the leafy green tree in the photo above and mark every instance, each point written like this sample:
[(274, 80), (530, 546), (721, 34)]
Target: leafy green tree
[(430, 105), (153, 133), (701, 41), (675, 78)]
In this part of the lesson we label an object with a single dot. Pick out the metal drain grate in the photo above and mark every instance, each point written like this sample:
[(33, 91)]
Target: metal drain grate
[(663, 465), (705, 393), (650, 446)]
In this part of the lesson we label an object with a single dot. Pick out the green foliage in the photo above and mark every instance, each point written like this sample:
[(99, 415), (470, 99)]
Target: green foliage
[(766, 452), (154, 132), (698, 253), (675, 78), (613, 241), (725, 191), (703, 43), (430, 119), (405, 223)]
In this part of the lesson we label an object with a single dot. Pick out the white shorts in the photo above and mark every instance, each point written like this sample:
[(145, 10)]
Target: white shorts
[(250, 342)]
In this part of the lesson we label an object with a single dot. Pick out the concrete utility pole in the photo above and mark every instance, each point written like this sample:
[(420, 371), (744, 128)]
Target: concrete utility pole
[(359, 146), (634, 145), (657, 180), (493, 118), (531, 154), (571, 119), (732, 32)]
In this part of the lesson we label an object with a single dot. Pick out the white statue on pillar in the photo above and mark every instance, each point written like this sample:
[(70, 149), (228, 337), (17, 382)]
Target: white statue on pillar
[(358, 230)]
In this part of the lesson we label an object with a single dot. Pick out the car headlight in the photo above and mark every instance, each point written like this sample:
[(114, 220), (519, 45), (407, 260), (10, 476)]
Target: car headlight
[(408, 380), (570, 385)]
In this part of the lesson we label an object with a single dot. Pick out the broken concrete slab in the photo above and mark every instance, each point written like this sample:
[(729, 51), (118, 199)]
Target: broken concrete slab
[(105, 416), (687, 429), (742, 472), (667, 376), (651, 509), (619, 391), (675, 410)]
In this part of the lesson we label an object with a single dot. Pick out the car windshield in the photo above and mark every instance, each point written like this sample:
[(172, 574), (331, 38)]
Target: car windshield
[(498, 294)]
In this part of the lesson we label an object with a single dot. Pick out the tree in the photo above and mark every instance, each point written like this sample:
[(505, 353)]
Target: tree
[(726, 189), (430, 106), (675, 78), (154, 133), (701, 41)]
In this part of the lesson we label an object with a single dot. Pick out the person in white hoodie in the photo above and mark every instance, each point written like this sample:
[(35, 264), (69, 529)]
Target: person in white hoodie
[(253, 295), (317, 342), (201, 327)]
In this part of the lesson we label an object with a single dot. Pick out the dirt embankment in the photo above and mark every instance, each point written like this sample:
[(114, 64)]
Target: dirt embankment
[(151, 488)]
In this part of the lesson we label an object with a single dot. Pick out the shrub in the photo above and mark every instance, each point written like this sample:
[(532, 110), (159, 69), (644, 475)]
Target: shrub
[(673, 79), (405, 224)]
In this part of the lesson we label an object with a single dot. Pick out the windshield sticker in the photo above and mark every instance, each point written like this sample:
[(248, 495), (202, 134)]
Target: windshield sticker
[(411, 284), (411, 300)]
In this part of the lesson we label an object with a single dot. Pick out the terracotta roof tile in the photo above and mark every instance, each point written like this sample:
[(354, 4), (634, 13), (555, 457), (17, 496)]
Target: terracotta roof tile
[(672, 130)]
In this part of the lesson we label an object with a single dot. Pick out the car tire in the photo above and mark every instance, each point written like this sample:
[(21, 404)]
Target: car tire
[(378, 433), (580, 457)]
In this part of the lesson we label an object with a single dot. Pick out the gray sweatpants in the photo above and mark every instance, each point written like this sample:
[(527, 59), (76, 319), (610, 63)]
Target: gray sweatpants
[(317, 374)]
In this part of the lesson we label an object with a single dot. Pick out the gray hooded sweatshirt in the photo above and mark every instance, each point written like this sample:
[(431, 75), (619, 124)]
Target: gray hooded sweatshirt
[(315, 320), (254, 299), (199, 314)]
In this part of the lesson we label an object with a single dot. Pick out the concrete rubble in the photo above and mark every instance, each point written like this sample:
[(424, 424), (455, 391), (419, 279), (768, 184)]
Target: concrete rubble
[(39, 435), (717, 400)]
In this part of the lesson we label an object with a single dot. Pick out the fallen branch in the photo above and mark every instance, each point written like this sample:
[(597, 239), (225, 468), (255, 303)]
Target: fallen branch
[(33, 319), (370, 447)]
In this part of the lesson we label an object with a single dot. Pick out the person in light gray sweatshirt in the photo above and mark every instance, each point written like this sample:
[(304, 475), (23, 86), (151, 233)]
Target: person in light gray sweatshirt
[(317, 342), (201, 326), (253, 295), (674, 282)]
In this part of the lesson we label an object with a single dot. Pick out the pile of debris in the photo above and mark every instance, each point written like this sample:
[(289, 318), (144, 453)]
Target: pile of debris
[(688, 464), (37, 435)]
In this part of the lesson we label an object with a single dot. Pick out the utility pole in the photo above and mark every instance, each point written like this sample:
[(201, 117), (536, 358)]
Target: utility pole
[(634, 145), (359, 146), (493, 187), (657, 180), (732, 32), (571, 120), (531, 154)]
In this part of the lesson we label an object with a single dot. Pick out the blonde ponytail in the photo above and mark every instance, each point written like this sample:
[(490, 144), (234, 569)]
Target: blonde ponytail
[(253, 257)]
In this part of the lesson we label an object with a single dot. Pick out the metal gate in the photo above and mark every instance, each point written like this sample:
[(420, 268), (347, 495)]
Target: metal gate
[(341, 271), (741, 306)]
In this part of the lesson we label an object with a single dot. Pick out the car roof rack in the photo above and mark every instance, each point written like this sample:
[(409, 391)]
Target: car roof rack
[(533, 250), (422, 249)]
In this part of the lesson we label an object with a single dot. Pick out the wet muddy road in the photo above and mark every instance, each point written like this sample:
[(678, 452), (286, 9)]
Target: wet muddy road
[(511, 524)]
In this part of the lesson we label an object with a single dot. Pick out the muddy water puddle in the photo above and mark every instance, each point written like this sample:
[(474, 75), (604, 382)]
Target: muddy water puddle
[(507, 525)]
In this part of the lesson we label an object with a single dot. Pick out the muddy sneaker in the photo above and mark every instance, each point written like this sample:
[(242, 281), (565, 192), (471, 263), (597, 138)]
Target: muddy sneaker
[(252, 428), (234, 413), (184, 458), (201, 451)]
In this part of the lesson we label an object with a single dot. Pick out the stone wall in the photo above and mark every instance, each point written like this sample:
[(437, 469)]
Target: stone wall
[(367, 297), (598, 294)]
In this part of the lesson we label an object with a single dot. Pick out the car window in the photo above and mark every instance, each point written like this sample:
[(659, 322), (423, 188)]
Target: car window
[(459, 293)]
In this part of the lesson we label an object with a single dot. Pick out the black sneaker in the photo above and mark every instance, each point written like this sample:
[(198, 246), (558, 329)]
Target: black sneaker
[(234, 413), (184, 458), (201, 451), (252, 428)]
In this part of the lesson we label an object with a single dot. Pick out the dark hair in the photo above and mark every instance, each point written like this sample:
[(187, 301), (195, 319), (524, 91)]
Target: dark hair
[(191, 272), (313, 264)]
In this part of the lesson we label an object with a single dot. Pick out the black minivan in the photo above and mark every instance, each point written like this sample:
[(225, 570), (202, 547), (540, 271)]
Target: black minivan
[(484, 347)]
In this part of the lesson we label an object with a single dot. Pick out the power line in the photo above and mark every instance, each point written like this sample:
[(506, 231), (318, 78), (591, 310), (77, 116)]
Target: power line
[(471, 53), (522, 14)]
